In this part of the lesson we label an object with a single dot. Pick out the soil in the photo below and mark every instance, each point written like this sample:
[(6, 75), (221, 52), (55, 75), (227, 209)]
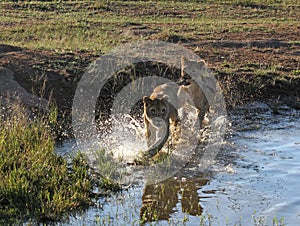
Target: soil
[(250, 66)]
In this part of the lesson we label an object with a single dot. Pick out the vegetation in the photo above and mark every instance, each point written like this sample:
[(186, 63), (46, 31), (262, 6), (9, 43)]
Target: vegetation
[(36, 183), (63, 37), (101, 25), (220, 31)]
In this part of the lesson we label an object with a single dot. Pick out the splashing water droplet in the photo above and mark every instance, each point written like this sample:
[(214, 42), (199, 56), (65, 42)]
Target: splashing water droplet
[(125, 140)]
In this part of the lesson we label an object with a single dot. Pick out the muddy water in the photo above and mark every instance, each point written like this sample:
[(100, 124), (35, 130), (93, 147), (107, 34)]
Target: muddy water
[(254, 181)]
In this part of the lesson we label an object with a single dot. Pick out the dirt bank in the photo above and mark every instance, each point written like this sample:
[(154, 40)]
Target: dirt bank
[(262, 69)]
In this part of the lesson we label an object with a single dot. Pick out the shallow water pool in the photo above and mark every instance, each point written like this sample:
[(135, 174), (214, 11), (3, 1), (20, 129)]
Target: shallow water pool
[(254, 181)]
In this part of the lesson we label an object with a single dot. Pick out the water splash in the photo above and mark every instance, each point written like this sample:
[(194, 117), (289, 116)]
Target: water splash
[(124, 139), (121, 141)]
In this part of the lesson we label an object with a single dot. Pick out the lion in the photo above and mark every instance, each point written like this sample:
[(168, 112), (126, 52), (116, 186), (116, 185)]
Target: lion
[(199, 91), (162, 106), (159, 109)]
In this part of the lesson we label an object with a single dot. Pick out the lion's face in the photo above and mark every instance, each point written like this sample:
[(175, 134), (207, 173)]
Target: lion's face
[(193, 67), (156, 111), (199, 70)]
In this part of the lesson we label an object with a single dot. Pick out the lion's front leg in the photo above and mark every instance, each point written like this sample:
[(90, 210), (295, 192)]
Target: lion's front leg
[(175, 126), (147, 129), (150, 133)]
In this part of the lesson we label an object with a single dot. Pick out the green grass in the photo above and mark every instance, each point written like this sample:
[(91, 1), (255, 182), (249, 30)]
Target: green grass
[(102, 25), (35, 183)]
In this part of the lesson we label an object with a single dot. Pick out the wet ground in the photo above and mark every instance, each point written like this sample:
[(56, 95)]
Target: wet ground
[(253, 180)]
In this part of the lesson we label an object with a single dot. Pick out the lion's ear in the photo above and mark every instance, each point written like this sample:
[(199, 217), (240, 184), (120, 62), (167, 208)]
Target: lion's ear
[(146, 100), (201, 63), (183, 65), (166, 98), (183, 61)]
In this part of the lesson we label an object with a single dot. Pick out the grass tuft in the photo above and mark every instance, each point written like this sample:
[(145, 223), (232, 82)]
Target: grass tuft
[(36, 184)]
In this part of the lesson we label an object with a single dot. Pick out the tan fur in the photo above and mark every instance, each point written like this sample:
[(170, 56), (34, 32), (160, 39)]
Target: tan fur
[(192, 93), (161, 107)]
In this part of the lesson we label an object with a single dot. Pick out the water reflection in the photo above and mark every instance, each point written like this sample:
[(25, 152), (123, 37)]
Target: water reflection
[(160, 201), (256, 171)]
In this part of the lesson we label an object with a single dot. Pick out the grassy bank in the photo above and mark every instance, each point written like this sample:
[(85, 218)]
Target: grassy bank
[(35, 183), (101, 25), (253, 46)]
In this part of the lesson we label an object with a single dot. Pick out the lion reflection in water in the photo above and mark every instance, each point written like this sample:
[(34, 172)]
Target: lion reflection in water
[(160, 201)]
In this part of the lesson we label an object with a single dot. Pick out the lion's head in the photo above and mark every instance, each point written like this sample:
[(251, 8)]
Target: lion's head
[(156, 111)]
